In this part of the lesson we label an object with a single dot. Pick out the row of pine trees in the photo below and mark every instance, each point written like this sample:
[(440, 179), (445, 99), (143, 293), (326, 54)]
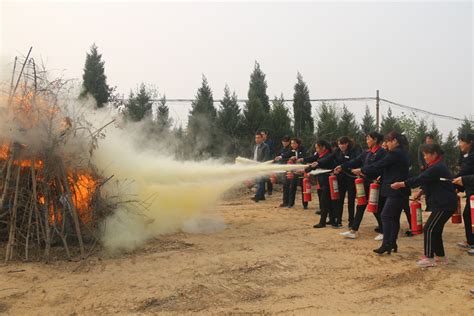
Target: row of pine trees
[(227, 130)]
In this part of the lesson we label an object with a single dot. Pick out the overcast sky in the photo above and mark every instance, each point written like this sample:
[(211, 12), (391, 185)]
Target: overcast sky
[(418, 54)]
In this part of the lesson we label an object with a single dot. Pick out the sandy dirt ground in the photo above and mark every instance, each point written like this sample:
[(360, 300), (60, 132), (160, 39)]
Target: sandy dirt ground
[(267, 261)]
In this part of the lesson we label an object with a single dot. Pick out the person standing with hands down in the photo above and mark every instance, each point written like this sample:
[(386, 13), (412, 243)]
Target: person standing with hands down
[(441, 200), (261, 153), (395, 167)]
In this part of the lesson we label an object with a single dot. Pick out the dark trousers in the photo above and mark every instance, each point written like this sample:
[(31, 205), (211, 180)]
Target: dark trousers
[(391, 218), (346, 186), (433, 232), (269, 185), (297, 181), (468, 221), (260, 195), (406, 209), (286, 191), (359, 215), (328, 207)]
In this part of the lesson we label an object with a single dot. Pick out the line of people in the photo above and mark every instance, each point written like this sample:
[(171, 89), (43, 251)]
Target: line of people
[(386, 162)]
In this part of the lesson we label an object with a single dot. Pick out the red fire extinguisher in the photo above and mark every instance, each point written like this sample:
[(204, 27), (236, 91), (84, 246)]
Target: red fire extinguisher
[(249, 183), (334, 187), (273, 178), (360, 191), (416, 218), (471, 199), (457, 218), (306, 188), (373, 197)]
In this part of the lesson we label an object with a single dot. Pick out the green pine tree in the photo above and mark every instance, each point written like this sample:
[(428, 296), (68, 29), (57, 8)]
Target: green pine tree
[(451, 152), (466, 127), (94, 81), (163, 120), (367, 126), (303, 119), (389, 123), (280, 120), (348, 125), (257, 107), (328, 120), (438, 137), (229, 124), (140, 103), (201, 132)]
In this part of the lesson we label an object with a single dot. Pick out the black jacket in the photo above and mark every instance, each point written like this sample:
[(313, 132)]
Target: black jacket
[(328, 161), (342, 158), (285, 153), (468, 184), (299, 153), (466, 164), (366, 158), (395, 167), (440, 195)]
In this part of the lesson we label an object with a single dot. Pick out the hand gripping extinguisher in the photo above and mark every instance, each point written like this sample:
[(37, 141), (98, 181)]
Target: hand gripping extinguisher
[(306, 188), (416, 218), (290, 175), (471, 199), (457, 218), (334, 187), (273, 178), (373, 197), (360, 191)]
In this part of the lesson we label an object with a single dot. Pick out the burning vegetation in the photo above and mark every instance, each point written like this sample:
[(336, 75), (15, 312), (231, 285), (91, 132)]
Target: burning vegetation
[(49, 189)]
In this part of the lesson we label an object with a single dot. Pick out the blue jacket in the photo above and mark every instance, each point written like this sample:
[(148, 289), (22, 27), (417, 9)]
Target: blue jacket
[(395, 167), (466, 168), (440, 195)]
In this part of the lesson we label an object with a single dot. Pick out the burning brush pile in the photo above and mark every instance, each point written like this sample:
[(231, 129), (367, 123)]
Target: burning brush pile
[(50, 202)]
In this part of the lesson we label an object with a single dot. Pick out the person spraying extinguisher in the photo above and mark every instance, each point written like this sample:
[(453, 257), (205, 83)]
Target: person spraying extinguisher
[(466, 146), (371, 187), (325, 160), (441, 199), (467, 182)]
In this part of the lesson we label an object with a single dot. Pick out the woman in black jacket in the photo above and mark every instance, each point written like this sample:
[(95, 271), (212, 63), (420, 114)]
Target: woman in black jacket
[(372, 155), (325, 160), (285, 154), (344, 153), (466, 145), (441, 200), (395, 167)]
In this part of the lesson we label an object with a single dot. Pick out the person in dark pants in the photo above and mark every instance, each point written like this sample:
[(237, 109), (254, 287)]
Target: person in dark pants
[(467, 182), (325, 160), (395, 167), (372, 155), (344, 153), (441, 199), (271, 148), (466, 145), (283, 158), (261, 153), (298, 152)]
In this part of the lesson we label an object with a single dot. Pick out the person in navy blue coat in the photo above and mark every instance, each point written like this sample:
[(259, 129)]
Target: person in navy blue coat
[(372, 155), (395, 167), (441, 200), (285, 155), (466, 145), (325, 160)]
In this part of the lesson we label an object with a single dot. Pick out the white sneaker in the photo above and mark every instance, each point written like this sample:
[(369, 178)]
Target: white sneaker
[(345, 233), (351, 235), (379, 237)]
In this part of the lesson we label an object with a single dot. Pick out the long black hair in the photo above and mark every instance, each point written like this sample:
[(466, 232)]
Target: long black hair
[(401, 139)]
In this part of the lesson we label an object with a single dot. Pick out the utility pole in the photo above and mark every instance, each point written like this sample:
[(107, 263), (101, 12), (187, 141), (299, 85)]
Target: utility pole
[(377, 110)]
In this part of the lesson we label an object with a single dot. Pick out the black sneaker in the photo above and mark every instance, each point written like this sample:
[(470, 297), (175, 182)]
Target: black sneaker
[(408, 233), (318, 212), (283, 205), (377, 230), (319, 225), (305, 207)]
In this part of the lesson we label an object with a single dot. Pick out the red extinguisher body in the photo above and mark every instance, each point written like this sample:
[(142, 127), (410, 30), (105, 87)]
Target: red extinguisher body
[(471, 199), (334, 188), (360, 191), (457, 218), (373, 204), (306, 188), (416, 218)]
